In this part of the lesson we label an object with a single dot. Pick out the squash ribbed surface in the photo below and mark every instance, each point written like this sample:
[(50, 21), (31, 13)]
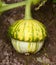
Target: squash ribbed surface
[(28, 30)]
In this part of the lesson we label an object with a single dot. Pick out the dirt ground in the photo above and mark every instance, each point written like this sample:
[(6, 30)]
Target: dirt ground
[(47, 55)]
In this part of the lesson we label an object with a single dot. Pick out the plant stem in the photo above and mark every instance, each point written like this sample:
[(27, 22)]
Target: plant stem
[(41, 4), (28, 10), (11, 6)]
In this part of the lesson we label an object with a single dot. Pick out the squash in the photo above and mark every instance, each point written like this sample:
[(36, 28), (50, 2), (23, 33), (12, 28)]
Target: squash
[(27, 36)]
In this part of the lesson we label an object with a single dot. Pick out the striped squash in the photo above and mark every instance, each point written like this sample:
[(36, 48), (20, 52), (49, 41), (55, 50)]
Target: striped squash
[(25, 33)]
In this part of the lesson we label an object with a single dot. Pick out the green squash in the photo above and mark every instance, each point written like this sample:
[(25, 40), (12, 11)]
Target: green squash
[(28, 33)]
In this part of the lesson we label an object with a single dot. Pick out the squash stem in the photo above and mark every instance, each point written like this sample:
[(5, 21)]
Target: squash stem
[(11, 6), (28, 10)]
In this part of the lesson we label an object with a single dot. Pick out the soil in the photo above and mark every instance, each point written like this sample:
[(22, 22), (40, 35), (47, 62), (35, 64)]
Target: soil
[(47, 55)]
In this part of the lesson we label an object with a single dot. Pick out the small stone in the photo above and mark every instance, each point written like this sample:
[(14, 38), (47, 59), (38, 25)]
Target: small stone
[(26, 53)]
